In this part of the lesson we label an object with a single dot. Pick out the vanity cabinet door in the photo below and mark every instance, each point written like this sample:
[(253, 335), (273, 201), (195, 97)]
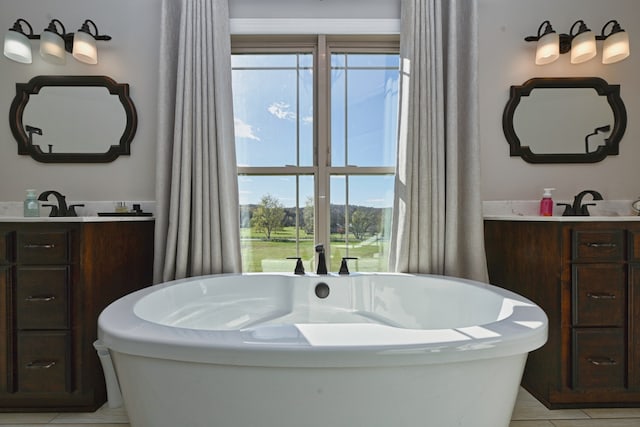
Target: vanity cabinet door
[(7, 239)]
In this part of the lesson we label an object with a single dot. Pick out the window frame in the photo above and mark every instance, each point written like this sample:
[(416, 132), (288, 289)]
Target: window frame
[(321, 46)]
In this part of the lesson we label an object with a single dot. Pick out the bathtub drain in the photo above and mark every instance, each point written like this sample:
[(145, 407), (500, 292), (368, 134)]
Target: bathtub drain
[(322, 290)]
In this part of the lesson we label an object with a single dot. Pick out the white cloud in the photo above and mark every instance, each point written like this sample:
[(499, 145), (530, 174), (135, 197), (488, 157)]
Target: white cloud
[(244, 130), (279, 109)]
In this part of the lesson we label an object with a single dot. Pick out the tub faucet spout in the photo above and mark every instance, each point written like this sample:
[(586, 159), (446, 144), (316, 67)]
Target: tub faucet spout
[(322, 261)]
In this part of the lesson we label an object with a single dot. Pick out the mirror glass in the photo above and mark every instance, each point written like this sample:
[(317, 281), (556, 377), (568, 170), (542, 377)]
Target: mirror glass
[(73, 118), (90, 121), (564, 120)]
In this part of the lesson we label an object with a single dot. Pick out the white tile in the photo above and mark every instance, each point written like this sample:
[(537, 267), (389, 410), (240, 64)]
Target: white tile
[(25, 418), (529, 408), (635, 422), (535, 423), (613, 413), (103, 415)]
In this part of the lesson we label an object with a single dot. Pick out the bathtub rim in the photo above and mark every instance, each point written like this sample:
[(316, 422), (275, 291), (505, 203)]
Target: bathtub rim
[(124, 332)]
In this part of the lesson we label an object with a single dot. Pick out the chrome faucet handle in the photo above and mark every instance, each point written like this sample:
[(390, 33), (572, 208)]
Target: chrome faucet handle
[(299, 270)]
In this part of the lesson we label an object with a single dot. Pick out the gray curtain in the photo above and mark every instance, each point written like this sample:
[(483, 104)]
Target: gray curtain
[(197, 220), (438, 225)]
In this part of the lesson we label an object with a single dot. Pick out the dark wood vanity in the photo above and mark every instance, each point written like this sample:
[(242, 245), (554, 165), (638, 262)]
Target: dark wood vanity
[(586, 277), (55, 279)]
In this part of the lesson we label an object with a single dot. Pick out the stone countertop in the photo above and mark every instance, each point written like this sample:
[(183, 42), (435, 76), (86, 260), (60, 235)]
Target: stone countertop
[(527, 210), (13, 212), (74, 218)]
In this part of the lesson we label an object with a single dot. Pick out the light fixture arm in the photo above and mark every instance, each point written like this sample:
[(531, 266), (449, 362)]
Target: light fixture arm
[(18, 28), (565, 39), (615, 29)]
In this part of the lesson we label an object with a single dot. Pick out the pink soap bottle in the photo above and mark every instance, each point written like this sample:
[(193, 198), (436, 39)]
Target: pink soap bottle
[(546, 204)]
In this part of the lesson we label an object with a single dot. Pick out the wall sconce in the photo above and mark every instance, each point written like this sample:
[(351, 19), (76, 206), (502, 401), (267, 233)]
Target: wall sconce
[(582, 44), (54, 42)]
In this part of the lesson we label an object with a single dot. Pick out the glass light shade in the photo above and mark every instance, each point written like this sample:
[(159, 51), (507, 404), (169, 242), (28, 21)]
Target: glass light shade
[(548, 49), (615, 47), (52, 48), (583, 47), (17, 47), (84, 48)]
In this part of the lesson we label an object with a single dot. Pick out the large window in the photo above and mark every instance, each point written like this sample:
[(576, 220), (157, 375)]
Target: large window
[(315, 122)]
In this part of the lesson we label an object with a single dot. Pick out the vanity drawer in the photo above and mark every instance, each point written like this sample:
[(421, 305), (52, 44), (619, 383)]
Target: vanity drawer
[(599, 358), (43, 362), (42, 298), (598, 245), (599, 295), (51, 247)]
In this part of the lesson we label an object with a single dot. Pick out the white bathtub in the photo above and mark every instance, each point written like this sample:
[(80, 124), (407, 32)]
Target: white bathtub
[(263, 350)]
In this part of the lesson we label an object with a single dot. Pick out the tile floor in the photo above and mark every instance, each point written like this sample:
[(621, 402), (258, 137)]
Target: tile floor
[(527, 413)]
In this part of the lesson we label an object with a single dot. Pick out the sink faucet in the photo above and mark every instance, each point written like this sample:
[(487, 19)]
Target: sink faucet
[(322, 261), (579, 209), (61, 209)]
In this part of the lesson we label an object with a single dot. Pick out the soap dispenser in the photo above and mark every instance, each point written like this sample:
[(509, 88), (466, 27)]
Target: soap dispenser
[(31, 204), (546, 204)]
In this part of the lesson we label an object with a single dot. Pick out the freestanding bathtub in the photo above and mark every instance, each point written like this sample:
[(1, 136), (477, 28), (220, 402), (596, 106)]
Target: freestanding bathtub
[(277, 350)]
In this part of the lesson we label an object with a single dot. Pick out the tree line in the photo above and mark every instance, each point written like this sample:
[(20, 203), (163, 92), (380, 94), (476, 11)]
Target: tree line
[(270, 216)]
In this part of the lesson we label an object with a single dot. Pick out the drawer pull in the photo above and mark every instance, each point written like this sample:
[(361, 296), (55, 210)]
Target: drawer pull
[(598, 295), (41, 364), (602, 361), (39, 246), (40, 298), (601, 245)]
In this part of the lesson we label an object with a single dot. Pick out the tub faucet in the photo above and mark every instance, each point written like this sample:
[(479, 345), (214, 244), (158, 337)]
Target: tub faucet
[(322, 261)]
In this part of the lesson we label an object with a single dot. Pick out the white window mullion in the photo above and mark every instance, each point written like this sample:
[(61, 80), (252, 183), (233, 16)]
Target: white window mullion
[(322, 208)]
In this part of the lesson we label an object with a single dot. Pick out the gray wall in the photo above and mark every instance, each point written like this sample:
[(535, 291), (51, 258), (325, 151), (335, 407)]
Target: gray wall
[(505, 59), (130, 57)]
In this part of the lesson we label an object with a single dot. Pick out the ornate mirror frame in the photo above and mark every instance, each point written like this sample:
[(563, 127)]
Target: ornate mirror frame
[(25, 147), (612, 92)]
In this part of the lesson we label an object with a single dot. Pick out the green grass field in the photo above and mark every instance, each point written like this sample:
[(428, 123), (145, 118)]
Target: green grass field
[(261, 255)]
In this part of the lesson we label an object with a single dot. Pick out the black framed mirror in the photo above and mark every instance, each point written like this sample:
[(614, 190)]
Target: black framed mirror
[(73, 119), (564, 120)]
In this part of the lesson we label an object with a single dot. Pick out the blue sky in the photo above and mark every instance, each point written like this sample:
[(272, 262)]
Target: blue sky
[(274, 125)]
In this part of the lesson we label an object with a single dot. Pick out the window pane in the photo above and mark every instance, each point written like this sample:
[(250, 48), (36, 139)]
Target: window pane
[(274, 223), (273, 111), (270, 60), (360, 220), (374, 60), (364, 110)]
